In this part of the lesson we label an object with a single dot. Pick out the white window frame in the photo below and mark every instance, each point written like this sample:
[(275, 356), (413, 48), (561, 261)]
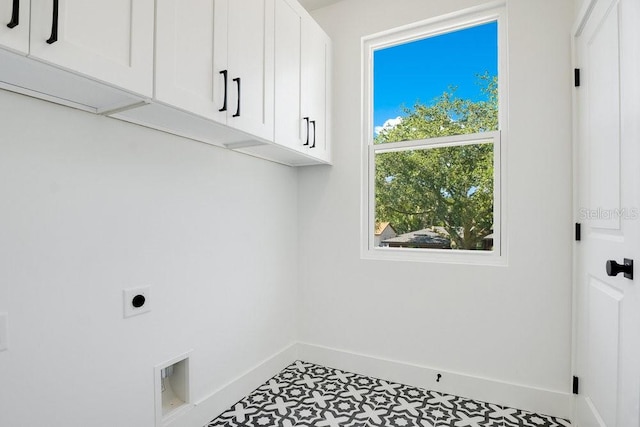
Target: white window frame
[(493, 12)]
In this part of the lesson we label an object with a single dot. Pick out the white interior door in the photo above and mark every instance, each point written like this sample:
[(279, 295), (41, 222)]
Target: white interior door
[(607, 347)]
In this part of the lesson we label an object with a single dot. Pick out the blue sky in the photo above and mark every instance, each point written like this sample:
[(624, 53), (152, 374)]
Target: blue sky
[(422, 70)]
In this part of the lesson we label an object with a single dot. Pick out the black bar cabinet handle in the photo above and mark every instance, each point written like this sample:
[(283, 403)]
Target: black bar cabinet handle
[(313, 122), (237, 80), (306, 119), (15, 14), (54, 24), (224, 103)]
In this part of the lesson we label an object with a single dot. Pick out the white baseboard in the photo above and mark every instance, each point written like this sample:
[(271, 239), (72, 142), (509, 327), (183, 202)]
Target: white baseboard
[(587, 415), (220, 400), (547, 402)]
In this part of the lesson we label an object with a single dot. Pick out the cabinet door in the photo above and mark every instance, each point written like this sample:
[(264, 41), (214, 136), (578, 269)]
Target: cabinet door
[(14, 25), (315, 88), (250, 30), (109, 40), (287, 124), (185, 47)]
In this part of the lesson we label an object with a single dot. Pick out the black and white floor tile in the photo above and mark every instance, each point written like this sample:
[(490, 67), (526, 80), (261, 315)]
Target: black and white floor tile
[(309, 395)]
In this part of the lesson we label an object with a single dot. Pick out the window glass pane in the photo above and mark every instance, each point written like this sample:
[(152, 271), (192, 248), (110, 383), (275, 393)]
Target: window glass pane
[(438, 86), (435, 198)]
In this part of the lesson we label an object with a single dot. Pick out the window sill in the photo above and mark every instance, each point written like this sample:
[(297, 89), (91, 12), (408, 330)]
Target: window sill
[(440, 256)]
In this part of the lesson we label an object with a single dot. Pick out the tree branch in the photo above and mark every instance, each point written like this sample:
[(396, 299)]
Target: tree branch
[(410, 213)]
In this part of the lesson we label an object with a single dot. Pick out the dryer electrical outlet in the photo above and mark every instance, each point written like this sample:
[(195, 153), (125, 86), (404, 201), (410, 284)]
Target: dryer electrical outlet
[(137, 301)]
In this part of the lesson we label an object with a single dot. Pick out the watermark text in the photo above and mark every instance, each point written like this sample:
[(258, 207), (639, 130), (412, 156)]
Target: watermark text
[(608, 214)]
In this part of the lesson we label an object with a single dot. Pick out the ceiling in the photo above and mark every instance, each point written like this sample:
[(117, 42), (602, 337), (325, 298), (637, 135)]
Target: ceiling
[(316, 4)]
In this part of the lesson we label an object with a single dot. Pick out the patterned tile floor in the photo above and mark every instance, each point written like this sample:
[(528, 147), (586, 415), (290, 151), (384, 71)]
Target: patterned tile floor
[(308, 395)]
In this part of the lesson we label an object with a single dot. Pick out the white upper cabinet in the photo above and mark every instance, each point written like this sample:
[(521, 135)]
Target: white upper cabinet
[(315, 90), (302, 52), (248, 75), (288, 119), (94, 55), (185, 76), (110, 41), (14, 25), (214, 58), (249, 88)]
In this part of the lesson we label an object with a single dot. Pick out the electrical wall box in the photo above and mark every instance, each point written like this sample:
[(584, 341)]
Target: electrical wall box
[(172, 389)]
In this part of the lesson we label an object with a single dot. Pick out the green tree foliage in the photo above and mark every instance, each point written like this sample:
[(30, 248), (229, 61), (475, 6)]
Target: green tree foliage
[(450, 187)]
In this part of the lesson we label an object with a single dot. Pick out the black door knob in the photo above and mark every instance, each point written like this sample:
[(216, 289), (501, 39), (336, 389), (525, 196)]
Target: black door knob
[(613, 268)]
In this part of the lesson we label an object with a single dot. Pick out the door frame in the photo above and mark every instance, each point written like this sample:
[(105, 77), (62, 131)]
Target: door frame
[(579, 22)]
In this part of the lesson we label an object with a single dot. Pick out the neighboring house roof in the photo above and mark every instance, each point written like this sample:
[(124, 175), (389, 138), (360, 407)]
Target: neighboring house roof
[(381, 226), (443, 231), (425, 238)]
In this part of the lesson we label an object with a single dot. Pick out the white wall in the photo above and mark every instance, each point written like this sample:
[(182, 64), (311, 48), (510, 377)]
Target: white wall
[(90, 206), (510, 324), (578, 5)]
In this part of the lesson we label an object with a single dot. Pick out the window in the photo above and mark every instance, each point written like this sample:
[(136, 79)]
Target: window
[(434, 139)]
